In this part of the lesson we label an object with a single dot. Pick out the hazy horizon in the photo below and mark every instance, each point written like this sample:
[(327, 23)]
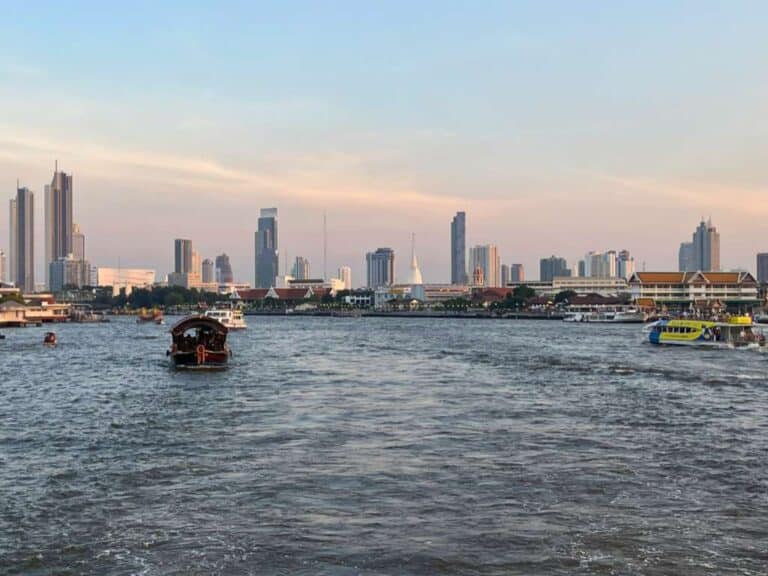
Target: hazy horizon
[(557, 127)]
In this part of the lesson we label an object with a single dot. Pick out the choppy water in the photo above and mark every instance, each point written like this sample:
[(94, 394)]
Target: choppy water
[(382, 446)]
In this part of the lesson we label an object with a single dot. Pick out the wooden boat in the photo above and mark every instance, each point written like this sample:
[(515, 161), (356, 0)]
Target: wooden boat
[(199, 343), (49, 339), (153, 315)]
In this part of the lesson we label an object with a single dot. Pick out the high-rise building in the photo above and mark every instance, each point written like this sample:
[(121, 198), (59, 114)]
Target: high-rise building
[(703, 253), (301, 268), (68, 272), (582, 269), (24, 239), (380, 267), (209, 273), (58, 219), (78, 243), (182, 256), (267, 257), (626, 265), (224, 273), (517, 273), (197, 263), (762, 268), (3, 267), (553, 267), (459, 249), (345, 275), (504, 275), (12, 225), (487, 258)]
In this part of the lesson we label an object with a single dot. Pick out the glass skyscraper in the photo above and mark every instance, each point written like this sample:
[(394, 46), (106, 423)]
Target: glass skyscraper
[(266, 249), (459, 249)]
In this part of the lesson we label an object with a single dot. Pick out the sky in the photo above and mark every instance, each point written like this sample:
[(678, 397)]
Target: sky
[(559, 127)]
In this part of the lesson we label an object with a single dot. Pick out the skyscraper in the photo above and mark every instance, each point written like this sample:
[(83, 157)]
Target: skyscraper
[(209, 274), (182, 256), (224, 273), (685, 260), (24, 241), (12, 225), (459, 249), (301, 268), (703, 253), (3, 267), (380, 267), (486, 257), (345, 275), (553, 267), (505, 276), (266, 249), (626, 264), (78, 243), (517, 273), (762, 268), (58, 219)]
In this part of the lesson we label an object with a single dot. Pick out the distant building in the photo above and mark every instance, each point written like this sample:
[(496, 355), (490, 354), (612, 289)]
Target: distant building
[(703, 252), (459, 249), (123, 278), (301, 268), (182, 263), (197, 264), (762, 268), (67, 272), (266, 249), (345, 275), (23, 226), (224, 273), (478, 277), (380, 267), (3, 267), (505, 276), (582, 269), (58, 219), (209, 271), (486, 257), (78, 243), (12, 231), (517, 273), (626, 264), (553, 266)]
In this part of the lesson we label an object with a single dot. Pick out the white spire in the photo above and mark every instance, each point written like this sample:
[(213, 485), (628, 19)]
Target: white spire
[(415, 275)]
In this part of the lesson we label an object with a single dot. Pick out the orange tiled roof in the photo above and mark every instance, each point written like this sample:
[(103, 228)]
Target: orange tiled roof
[(661, 277), (722, 277)]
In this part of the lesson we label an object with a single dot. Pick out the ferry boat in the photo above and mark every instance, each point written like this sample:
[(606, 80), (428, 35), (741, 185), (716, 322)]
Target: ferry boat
[(199, 343), (736, 332), (155, 315), (232, 318), (630, 316)]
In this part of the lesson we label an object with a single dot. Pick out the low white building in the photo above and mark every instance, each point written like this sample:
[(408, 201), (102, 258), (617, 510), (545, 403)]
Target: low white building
[(123, 278), (694, 288)]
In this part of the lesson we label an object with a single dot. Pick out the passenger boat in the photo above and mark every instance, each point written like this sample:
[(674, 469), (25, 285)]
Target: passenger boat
[(199, 343), (630, 316), (153, 315), (232, 318), (736, 332)]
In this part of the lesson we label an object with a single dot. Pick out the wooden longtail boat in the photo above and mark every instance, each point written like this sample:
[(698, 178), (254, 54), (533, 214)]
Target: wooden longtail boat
[(199, 343)]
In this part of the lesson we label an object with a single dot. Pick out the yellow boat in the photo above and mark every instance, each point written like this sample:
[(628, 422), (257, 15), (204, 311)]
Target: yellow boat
[(736, 332)]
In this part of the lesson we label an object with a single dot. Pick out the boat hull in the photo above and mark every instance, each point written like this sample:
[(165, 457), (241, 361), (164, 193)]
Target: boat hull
[(211, 360)]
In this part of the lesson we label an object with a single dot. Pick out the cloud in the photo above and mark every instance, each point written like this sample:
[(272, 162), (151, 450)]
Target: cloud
[(321, 178)]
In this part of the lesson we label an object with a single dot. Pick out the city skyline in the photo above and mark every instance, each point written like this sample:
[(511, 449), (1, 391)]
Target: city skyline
[(554, 138)]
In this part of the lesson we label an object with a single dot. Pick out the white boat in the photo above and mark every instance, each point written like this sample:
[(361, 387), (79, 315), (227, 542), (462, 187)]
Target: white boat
[(232, 318), (629, 316)]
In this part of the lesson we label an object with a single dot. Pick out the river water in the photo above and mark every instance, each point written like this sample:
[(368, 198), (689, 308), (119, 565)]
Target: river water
[(382, 446)]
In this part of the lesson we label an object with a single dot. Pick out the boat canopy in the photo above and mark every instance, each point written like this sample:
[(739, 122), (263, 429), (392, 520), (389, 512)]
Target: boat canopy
[(191, 322)]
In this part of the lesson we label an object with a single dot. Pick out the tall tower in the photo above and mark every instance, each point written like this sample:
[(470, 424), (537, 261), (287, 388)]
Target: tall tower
[(58, 218), (459, 249), (12, 225), (24, 242), (182, 261), (414, 276), (381, 267), (267, 257), (487, 259), (706, 247)]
